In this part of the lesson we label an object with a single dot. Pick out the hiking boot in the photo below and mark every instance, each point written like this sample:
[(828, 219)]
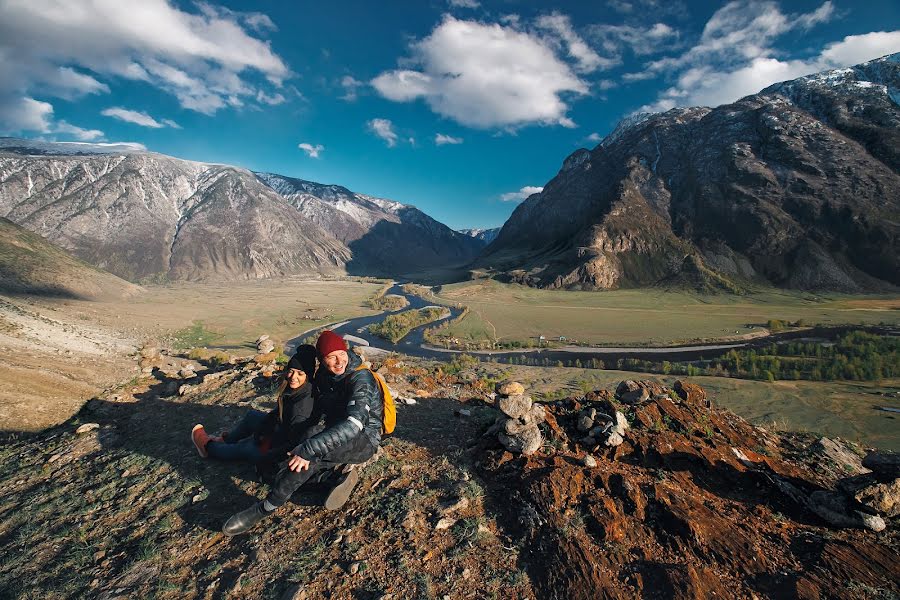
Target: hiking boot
[(200, 439), (338, 496), (244, 520)]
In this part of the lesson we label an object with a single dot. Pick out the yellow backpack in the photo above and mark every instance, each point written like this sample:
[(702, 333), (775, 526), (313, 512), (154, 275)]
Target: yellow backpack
[(389, 412)]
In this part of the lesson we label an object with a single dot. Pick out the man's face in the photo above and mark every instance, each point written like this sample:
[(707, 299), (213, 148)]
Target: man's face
[(336, 361)]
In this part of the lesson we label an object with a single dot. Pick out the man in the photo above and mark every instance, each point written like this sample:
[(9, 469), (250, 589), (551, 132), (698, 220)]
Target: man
[(351, 401)]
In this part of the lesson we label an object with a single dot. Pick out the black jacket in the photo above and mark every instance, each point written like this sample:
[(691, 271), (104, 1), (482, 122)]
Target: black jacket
[(352, 405), (296, 410)]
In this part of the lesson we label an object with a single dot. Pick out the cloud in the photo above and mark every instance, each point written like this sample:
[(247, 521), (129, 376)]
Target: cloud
[(34, 115), (595, 138), (484, 75), (440, 139), (66, 49), (138, 118), (521, 194), (384, 129), (464, 3), (311, 150), (584, 55), (351, 86), (735, 58), (649, 39), (85, 135), (271, 100)]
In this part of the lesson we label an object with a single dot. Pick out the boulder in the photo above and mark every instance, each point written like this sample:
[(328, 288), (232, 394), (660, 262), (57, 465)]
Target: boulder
[(637, 396), (265, 346), (884, 464), (847, 462), (584, 422), (515, 406), (626, 386), (883, 498), (510, 388), (835, 508), (537, 414), (526, 442), (690, 392)]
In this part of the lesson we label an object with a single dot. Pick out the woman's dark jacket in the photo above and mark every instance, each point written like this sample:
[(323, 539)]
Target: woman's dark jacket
[(296, 410), (352, 406)]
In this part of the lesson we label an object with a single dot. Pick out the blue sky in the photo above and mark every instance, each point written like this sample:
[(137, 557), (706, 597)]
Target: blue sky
[(460, 107)]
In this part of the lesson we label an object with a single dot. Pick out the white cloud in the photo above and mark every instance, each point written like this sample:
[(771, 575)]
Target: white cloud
[(384, 129), (587, 59), (138, 118), (521, 194), (440, 139), (595, 138), (351, 86), (485, 75), (271, 100), (311, 150), (639, 40), (707, 86), (203, 58), (28, 114), (464, 3), (85, 135)]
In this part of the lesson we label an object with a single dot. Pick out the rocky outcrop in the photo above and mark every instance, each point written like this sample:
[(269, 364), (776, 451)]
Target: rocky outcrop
[(517, 428), (694, 502), (795, 186)]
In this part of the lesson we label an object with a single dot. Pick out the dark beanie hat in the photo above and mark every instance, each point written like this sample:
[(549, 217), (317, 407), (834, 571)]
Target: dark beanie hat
[(304, 359), (328, 342)]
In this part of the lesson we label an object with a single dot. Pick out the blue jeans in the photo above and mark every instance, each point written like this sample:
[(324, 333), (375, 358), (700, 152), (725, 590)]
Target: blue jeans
[(240, 444)]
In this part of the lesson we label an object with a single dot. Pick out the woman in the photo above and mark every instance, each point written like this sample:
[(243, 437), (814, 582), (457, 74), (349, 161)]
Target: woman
[(266, 438)]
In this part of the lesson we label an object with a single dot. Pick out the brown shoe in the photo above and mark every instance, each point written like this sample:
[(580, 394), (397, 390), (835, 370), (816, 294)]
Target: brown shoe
[(200, 439), (339, 494)]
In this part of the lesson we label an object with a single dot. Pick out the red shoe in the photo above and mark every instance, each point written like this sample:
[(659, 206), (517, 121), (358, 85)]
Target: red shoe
[(200, 439)]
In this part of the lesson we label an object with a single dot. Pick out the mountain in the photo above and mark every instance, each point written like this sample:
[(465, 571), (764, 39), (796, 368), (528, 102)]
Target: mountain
[(145, 216), (29, 264), (386, 237), (797, 186), (485, 236)]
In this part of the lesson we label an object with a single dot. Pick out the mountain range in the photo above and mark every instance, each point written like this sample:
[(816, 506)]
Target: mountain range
[(145, 216), (796, 186)]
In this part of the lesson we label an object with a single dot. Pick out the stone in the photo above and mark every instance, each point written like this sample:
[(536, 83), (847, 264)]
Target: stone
[(883, 498), (86, 428), (834, 508), (510, 388), (614, 440), (151, 352), (515, 406), (621, 423), (354, 567), (884, 464), (462, 412), (627, 386), (265, 346), (294, 592), (589, 461), (445, 523), (584, 423), (600, 430), (525, 442), (847, 462), (187, 372), (537, 414), (690, 392), (515, 426), (635, 397)]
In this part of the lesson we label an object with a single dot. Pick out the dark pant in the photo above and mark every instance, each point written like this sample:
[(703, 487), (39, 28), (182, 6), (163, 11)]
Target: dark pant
[(358, 450), (239, 443)]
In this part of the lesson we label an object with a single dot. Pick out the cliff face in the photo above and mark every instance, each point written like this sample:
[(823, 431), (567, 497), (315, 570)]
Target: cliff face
[(797, 186)]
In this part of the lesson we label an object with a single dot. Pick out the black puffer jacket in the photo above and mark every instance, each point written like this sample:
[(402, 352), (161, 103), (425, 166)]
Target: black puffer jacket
[(352, 406), (296, 411)]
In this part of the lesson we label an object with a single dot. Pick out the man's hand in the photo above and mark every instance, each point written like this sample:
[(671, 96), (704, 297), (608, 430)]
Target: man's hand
[(297, 463)]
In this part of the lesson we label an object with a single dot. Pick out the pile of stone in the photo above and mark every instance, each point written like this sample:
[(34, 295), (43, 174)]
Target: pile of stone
[(601, 428), (149, 358), (635, 392), (264, 344), (517, 429)]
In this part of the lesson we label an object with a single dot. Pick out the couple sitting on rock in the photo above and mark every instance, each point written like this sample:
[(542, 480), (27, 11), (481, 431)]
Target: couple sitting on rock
[(286, 441)]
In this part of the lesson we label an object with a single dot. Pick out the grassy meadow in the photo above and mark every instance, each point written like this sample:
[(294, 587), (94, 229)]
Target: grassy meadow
[(509, 312)]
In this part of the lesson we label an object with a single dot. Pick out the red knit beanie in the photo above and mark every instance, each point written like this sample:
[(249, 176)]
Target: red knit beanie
[(328, 342)]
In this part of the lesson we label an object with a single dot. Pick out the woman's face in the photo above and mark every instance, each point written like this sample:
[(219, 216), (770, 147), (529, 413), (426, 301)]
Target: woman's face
[(336, 362), (295, 378)]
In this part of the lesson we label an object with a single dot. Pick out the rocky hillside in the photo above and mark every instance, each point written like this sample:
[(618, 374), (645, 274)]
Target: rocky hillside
[(31, 265), (797, 186), (485, 236), (689, 501), (145, 216), (385, 237)]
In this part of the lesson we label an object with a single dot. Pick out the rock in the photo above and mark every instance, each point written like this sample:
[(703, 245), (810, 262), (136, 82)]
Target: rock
[(295, 592), (265, 346), (883, 498), (584, 422), (635, 397), (187, 372), (150, 352), (884, 464), (462, 412), (834, 508), (445, 523), (525, 442), (99, 555), (262, 338), (515, 426), (406, 400), (354, 567), (86, 428), (846, 461), (621, 423), (265, 358), (626, 386), (515, 406), (537, 414), (614, 440), (600, 430), (589, 461), (510, 388), (690, 392)]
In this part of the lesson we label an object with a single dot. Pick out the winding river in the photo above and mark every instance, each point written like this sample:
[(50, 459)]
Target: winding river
[(413, 343)]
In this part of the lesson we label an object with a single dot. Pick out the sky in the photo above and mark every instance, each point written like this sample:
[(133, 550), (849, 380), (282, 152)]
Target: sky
[(460, 107)]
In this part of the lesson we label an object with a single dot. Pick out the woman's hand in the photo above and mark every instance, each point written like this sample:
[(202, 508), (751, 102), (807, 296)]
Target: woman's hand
[(297, 463)]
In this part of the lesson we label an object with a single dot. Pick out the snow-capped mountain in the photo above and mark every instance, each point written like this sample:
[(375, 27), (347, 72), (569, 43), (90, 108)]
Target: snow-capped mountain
[(485, 236), (797, 186), (145, 216)]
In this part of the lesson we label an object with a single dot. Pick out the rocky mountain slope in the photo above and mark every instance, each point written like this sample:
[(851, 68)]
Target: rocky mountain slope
[(385, 237), (485, 236), (31, 265), (797, 186), (146, 216), (693, 502)]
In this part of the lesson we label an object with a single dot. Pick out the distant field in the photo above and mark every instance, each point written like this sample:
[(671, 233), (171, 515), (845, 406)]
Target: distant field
[(234, 314), (646, 317), (843, 409)]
